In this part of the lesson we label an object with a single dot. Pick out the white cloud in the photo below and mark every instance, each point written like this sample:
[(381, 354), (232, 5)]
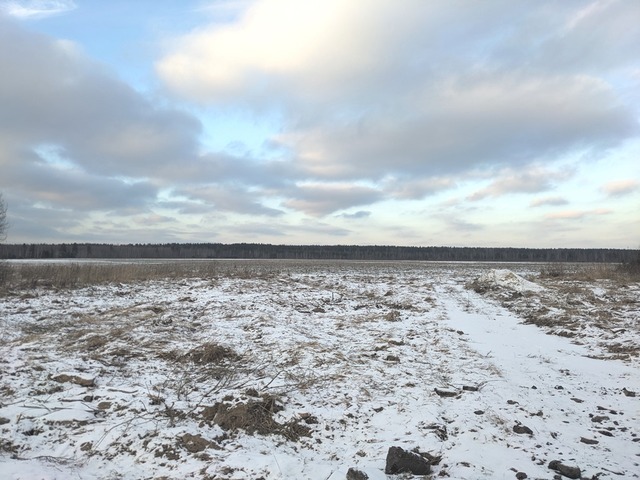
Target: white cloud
[(35, 9)]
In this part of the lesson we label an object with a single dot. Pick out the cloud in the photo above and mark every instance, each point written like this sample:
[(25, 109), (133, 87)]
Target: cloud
[(356, 215), (533, 180), (323, 199), (295, 233), (552, 201), (366, 102), (460, 225), (492, 100), (577, 214), (606, 29), (51, 93), (72, 136), (228, 199), (411, 189), (620, 188), (36, 9)]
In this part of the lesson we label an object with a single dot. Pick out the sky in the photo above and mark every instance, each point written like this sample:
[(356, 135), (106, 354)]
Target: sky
[(373, 122)]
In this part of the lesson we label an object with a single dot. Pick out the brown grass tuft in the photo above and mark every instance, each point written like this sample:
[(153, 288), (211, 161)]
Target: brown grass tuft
[(211, 353)]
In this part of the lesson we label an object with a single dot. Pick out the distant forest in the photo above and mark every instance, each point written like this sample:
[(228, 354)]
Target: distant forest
[(317, 252)]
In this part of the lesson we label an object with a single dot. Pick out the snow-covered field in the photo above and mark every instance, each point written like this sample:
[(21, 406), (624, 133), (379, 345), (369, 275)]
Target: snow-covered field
[(302, 370)]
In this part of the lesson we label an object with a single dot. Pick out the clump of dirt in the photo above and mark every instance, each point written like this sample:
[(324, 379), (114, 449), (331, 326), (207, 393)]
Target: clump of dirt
[(194, 443), (256, 416), (83, 382)]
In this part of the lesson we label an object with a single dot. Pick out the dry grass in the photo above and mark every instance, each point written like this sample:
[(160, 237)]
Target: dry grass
[(592, 271), (211, 353), (70, 275)]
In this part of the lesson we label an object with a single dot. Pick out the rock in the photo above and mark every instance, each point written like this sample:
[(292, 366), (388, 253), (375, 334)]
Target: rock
[(445, 393), (522, 429), (565, 470), (521, 475), (469, 388), (104, 406), (628, 393), (589, 441), (599, 418), (353, 474), (402, 461), (4, 421)]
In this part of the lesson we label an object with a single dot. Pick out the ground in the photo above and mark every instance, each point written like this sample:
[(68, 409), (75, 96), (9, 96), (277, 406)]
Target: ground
[(302, 370)]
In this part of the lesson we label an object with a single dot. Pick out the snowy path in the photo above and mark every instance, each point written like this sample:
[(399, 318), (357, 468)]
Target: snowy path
[(548, 384)]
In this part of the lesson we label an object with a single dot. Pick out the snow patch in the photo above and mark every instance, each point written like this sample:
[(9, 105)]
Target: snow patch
[(503, 278)]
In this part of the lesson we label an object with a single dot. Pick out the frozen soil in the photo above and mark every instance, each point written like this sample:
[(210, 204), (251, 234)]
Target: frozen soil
[(302, 370)]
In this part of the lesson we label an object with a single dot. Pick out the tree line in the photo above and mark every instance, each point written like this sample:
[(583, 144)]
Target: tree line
[(315, 252)]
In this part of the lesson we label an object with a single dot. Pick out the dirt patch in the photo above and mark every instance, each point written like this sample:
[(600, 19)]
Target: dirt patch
[(193, 443), (83, 382), (256, 417)]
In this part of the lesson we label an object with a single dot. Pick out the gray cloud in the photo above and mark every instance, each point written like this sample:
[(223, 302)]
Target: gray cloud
[(74, 188), (411, 189), (356, 215), (487, 120), (552, 201), (532, 180), (73, 137), (323, 199), (320, 230), (52, 94), (230, 199)]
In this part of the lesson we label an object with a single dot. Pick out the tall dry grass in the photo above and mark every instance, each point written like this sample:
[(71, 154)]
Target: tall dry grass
[(592, 271), (69, 275)]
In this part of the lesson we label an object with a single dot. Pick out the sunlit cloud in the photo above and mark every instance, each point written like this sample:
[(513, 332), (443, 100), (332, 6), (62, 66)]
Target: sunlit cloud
[(620, 188), (577, 214)]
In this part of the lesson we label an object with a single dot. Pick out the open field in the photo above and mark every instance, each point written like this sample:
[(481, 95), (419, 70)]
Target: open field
[(302, 370)]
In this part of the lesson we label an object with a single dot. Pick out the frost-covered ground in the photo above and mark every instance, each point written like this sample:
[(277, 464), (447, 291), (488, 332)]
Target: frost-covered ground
[(301, 370)]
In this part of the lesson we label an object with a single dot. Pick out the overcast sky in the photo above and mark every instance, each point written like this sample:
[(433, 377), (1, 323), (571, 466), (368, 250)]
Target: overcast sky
[(407, 122)]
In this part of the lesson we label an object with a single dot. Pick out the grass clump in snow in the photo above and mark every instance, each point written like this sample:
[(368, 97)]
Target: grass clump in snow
[(211, 353)]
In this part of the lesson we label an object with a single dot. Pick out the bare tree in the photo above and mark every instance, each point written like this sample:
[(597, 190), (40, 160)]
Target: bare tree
[(3, 219)]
